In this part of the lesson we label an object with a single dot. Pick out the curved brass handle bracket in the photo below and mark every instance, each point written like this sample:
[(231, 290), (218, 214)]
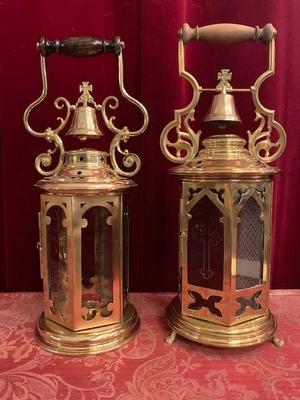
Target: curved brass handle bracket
[(130, 160), (51, 135), (259, 141), (186, 144)]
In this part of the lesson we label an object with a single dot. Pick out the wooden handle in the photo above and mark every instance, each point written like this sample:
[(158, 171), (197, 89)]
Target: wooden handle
[(80, 46), (227, 33)]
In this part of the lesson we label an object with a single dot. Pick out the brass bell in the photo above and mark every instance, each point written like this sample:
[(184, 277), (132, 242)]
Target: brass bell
[(223, 111), (84, 124)]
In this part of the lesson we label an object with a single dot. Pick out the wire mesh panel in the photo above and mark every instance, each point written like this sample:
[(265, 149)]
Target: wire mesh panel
[(250, 245)]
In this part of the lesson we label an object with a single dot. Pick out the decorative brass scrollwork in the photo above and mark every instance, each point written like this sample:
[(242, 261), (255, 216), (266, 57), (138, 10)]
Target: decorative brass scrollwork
[(184, 147), (123, 134), (187, 141), (51, 135), (259, 141), (130, 160)]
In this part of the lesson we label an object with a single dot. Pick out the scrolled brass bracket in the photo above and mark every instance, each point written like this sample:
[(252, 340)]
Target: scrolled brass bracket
[(186, 144), (122, 134), (259, 141), (51, 135)]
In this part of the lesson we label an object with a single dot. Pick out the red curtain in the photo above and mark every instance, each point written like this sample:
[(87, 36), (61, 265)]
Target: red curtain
[(149, 29)]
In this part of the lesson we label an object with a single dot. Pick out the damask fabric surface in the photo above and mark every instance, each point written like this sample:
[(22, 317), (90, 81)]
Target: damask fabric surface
[(147, 368)]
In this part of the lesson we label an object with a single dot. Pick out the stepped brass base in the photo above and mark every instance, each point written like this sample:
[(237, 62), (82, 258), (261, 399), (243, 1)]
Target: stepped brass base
[(60, 340), (247, 333)]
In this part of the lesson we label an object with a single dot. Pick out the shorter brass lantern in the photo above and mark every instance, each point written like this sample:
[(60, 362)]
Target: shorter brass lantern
[(83, 220), (225, 207)]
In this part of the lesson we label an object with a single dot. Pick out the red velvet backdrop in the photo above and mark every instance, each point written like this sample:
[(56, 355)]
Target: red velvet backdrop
[(151, 74)]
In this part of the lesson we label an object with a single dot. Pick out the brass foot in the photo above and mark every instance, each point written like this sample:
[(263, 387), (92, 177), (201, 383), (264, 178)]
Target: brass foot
[(170, 339), (277, 341)]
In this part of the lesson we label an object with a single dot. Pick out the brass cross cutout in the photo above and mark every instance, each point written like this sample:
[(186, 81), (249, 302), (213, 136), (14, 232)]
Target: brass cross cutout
[(252, 303), (201, 302), (209, 238)]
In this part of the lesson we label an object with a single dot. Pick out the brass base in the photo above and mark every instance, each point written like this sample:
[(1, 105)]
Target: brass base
[(60, 340), (247, 333)]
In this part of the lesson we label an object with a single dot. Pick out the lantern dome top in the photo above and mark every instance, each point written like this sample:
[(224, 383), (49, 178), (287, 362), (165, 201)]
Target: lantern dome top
[(224, 156), (85, 171)]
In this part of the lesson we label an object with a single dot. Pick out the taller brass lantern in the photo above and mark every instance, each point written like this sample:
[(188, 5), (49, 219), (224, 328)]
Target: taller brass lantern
[(84, 217), (225, 207)]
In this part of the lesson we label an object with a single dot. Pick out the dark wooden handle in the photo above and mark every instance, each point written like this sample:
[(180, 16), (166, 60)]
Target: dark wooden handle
[(80, 46), (227, 33)]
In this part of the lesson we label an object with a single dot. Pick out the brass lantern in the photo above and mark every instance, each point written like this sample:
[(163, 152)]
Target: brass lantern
[(84, 217), (225, 207)]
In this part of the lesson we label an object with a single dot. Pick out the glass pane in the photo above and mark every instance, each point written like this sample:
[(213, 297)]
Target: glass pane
[(96, 262), (205, 245), (57, 260), (126, 249), (249, 246)]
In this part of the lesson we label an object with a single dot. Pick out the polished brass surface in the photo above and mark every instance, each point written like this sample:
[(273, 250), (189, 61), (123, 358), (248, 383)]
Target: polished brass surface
[(186, 145), (261, 144), (57, 339), (85, 171), (86, 126), (229, 197), (277, 341), (223, 111), (224, 157), (83, 226), (70, 308), (226, 201), (245, 334), (260, 141)]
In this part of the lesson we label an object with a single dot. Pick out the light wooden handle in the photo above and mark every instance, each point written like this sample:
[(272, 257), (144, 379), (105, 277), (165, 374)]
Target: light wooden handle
[(227, 33)]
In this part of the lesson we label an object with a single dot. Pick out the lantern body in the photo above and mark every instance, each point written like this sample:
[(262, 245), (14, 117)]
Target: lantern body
[(225, 259), (79, 267), (83, 253), (84, 216), (225, 206), (224, 247)]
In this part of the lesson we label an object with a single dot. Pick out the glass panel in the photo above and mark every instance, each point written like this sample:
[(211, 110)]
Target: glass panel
[(205, 245), (57, 260), (126, 249), (249, 246), (96, 262)]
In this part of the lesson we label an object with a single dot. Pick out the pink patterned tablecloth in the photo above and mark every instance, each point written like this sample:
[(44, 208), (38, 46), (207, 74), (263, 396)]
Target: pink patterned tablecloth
[(147, 368)]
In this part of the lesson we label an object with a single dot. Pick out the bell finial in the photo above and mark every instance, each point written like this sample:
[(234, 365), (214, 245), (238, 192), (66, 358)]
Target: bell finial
[(84, 124)]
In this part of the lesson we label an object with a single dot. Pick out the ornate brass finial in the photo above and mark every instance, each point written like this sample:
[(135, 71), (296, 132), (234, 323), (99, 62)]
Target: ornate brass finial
[(224, 76), (86, 97)]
